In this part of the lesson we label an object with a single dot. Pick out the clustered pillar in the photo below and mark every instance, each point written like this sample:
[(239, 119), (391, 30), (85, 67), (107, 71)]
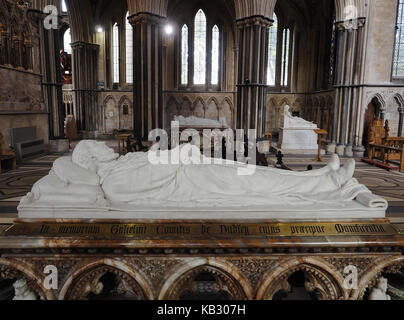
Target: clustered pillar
[(350, 39), (85, 58), (52, 81), (148, 113), (252, 73)]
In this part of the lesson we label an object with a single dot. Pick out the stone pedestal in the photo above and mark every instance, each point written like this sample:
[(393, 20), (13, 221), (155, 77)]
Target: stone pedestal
[(299, 141), (340, 150), (59, 146)]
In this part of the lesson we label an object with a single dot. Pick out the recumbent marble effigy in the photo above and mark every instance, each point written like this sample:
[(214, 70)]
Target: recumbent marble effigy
[(95, 183)]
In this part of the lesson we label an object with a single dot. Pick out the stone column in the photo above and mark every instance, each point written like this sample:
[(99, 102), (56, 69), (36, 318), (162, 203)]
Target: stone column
[(401, 121), (252, 73), (148, 79), (254, 18), (85, 59), (52, 81), (348, 78), (4, 48), (351, 22)]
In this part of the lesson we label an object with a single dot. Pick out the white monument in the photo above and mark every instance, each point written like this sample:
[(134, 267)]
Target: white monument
[(95, 183), (297, 135), (23, 292), (201, 122), (380, 291)]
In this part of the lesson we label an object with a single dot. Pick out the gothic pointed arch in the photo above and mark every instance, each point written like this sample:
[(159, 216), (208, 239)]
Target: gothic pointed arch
[(11, 269), (87, 281), (199, 107), (321, 279), (221, 278), (373, 271)]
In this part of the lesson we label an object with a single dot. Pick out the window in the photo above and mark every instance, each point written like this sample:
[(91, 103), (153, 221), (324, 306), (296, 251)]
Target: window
[(215, 55), (115, 52), (64, 7), (273, 43), (67, 40), (285, 57), (129, 50), (199, 52), (200, 48), (398, 63), (184, 55), (332, 52), (279, 47)]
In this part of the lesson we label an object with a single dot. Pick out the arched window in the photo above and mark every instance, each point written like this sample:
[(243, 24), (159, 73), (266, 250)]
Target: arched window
[(273, 44), (279, 48), (333, 47), (285, 57), (64, 7), (115, 52), (398, 62), (215, 55), (67, 40), (129, 50), (199, 52), (184, 55), (200, 49)]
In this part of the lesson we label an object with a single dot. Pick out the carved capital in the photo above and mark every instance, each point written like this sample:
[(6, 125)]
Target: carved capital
[(255, 21), (145, 18)]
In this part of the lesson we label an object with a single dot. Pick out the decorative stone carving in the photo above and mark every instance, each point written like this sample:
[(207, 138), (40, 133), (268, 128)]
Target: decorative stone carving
[(253, 269), (318, 281), (89, 282), (220, 282), (22, 291), (380, 291)]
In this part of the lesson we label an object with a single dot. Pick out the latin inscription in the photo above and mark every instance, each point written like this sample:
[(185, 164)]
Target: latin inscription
[(201, 230)]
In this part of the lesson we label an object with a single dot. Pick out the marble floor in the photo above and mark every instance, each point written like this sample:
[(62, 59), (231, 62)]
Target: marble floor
[(388, 184)]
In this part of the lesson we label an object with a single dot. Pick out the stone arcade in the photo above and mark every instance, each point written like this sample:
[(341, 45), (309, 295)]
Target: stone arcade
[(114, 226)]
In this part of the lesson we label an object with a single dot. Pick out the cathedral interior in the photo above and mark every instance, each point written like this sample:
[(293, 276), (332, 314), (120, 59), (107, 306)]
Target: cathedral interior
[(74, 70)]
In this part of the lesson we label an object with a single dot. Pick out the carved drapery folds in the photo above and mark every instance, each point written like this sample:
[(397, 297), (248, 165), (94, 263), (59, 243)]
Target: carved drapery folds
[(254, 18), (15, 36)]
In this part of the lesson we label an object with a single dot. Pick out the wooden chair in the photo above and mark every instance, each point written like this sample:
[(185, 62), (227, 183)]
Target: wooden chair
[(382, 147), (123, 140)]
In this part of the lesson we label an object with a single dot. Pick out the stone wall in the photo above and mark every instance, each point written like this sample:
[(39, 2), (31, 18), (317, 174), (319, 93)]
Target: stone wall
[(116, 110), (21, 100), (199, 104)]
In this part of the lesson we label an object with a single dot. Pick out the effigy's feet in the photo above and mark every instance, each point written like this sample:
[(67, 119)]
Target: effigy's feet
[(334, 163), (346, 173)]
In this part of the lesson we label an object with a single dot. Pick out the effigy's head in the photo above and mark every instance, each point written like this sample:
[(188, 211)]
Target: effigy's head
[(90, 154)]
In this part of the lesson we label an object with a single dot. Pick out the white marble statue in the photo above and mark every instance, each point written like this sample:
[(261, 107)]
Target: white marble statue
[(380, 291), (94, 179), (296, 122), (200, 122), (297, 135), (22, 291)]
